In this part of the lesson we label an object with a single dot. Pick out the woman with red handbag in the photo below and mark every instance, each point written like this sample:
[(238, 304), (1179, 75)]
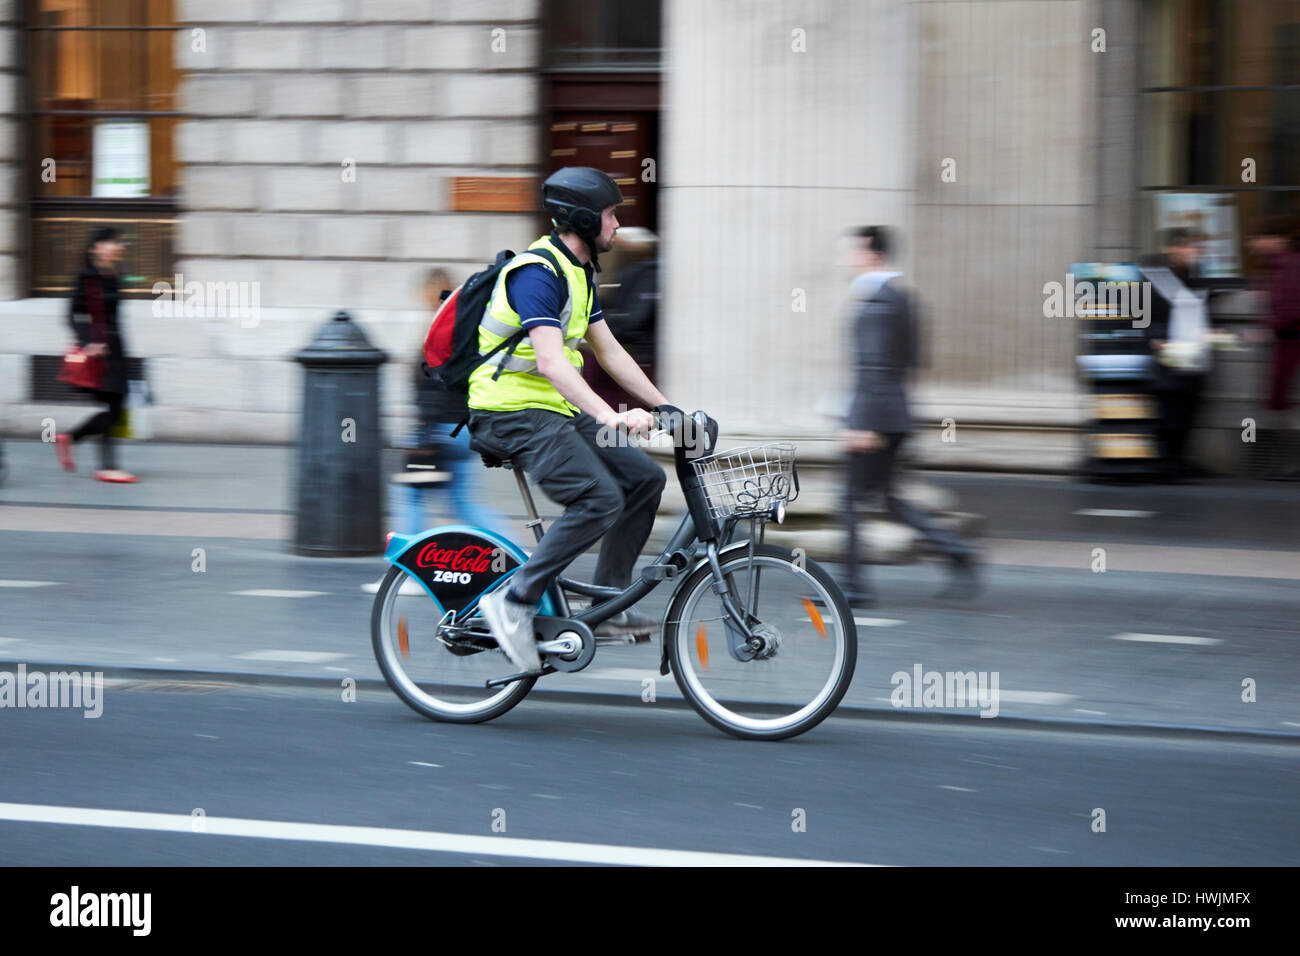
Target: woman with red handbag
[(103, 371)]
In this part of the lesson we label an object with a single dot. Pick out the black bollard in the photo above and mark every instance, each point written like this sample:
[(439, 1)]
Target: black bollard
[(340, 492)]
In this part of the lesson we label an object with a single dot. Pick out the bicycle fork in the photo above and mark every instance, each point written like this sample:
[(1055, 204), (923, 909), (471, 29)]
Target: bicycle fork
[(742, 642)]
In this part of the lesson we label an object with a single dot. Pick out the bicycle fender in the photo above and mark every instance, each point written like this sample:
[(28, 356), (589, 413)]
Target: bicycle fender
[(458, 564)]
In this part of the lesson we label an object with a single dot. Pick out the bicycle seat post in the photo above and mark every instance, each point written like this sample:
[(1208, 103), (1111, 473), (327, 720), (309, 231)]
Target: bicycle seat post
[(533, 522)]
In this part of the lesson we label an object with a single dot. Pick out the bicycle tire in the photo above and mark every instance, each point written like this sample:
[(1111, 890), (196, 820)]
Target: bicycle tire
[(701, 578), (406, 689)]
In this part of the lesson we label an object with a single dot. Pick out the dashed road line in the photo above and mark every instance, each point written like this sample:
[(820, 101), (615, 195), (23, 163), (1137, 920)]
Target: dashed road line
[(877, 621), (16, 583), (276, 593), (291, 657), (1114, 513), (1165, 639)]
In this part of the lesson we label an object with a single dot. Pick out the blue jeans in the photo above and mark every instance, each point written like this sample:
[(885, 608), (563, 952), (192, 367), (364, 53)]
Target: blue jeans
[(409, 501)]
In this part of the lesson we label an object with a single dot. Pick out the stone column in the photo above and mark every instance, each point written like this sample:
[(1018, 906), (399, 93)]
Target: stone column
[(784, 125)]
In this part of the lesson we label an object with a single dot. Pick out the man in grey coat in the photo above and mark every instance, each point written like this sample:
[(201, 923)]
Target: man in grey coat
[(885, 348)]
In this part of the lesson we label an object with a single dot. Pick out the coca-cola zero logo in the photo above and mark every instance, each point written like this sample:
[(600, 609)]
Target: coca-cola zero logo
[(472, 558)]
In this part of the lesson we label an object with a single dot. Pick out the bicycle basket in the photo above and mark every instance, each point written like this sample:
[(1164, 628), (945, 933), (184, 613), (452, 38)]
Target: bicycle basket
[(747, 480)]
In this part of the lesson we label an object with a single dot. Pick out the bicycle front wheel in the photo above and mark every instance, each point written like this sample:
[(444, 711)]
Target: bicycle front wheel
[(438, 674), (809, 644)]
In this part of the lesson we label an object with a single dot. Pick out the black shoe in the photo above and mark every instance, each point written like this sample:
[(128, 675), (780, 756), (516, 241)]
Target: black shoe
[(964, 583)]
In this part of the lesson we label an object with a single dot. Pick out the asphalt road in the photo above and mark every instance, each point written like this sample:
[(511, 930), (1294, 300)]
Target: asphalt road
[(649, 777), (1051, 634)]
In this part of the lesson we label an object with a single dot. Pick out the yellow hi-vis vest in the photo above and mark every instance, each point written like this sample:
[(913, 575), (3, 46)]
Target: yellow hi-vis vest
[(519, 386)]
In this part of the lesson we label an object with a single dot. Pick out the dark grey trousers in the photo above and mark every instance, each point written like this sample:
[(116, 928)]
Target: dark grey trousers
[(610, 491), (870, 473)]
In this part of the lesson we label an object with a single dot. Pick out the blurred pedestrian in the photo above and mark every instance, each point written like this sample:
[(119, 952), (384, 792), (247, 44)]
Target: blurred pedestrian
[(1276, 246), (93, 317), (884, 345), (450, 467), (1178, 339), (630, 305)]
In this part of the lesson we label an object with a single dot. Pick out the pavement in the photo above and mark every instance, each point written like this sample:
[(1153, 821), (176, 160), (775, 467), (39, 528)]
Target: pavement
[(1169, 608)]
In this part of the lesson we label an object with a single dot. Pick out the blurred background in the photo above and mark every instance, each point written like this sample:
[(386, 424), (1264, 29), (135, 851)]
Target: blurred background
[(332, 152)]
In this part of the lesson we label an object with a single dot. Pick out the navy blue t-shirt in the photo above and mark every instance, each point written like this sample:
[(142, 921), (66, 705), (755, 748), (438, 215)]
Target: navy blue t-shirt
[(537, 294)]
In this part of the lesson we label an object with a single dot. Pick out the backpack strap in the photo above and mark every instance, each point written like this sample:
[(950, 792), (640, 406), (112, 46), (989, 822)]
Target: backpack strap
[(511, 343)]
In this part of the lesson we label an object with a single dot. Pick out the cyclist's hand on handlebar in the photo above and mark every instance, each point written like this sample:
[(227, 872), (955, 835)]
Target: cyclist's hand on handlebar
[(637, 421)]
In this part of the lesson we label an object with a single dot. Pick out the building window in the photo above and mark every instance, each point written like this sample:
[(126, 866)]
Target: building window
[(1220, 115), (604, 35), (103, 113)]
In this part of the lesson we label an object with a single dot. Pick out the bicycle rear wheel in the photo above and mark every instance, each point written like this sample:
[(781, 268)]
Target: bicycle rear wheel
[(438, 673), (809, 644)]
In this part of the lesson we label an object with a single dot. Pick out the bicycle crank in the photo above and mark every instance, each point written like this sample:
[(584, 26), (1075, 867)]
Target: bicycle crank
[(565, 644)]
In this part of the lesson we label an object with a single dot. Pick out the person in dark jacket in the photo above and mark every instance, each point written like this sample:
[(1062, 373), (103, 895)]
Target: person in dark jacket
[(884, 341), (94, 321), (1276, 244), (1177, 389)]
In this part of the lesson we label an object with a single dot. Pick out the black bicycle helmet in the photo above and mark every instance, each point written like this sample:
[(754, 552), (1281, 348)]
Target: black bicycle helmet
[(575, 197)]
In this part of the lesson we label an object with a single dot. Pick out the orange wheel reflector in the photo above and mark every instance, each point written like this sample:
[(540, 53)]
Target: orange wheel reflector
[(702, 646), (403, 641), (815, 616)]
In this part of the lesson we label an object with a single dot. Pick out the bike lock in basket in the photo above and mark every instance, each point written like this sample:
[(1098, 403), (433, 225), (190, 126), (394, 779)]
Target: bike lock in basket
[(749, 480)]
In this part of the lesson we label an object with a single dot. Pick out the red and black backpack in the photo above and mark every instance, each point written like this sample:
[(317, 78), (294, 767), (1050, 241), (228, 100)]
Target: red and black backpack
[(451, 346)]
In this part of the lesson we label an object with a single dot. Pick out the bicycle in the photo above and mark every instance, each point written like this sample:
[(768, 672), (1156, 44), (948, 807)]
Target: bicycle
[(760, 640)]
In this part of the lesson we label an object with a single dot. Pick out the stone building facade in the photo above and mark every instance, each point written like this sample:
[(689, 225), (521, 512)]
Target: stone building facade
[(322, 144)]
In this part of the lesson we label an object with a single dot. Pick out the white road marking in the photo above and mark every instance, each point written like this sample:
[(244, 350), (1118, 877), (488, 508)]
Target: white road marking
[(1290, 723), (274, 593), (15, 583), (164, 660), (1165, 639), (1114, 513), (876, 621), (390, 837), (207, 736), (623, 673), (341, 669), (749, 806), (986, 763), (1094, 713), (547, 796), (11, 640), (410, 586), (944, 786), (1034, 697), (292, 657), (421, 763)]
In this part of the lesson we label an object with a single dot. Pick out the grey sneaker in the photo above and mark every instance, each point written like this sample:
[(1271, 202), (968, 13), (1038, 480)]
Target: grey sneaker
[(512, 626), (628, 621)]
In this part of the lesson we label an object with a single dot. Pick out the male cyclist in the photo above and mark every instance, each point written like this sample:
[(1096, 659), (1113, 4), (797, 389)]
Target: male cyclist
[(531, 405)]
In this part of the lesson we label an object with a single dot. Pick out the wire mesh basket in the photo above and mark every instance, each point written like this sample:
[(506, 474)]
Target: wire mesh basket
[(747, 480)]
